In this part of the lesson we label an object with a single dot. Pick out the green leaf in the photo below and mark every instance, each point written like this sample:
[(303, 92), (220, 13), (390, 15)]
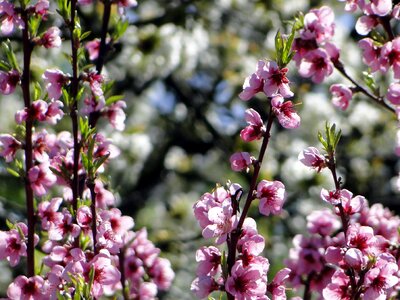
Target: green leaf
[(331, 138), (13, 172), (4, 66), (34, 23), (279, 46), (37, 90), (85, 162), (9, 224), (369, 81), (39, 255), (121, 27), (85, 35), (114, 99), (98, 162), (12, 60)]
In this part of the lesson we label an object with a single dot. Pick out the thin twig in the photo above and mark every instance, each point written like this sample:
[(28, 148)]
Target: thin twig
[(380, 100)]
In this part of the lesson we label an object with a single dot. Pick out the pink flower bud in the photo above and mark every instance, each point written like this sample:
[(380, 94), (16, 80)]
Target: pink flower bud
[(8, 147), (241, 161), (341, 95), (8, 81), (393, 93)]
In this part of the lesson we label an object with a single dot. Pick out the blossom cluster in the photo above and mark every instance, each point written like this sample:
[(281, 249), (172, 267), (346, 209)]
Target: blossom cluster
[(244, 273), (351, 250), (248, 277), (90, 249)]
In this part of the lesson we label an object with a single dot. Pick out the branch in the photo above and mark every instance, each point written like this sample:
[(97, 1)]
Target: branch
[(28, 48), (380, 100)]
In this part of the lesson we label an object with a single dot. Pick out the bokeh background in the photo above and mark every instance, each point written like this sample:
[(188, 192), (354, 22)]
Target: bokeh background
[(181, 65)]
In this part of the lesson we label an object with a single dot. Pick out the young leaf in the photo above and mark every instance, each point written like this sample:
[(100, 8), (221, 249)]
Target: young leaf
[(13, 172)]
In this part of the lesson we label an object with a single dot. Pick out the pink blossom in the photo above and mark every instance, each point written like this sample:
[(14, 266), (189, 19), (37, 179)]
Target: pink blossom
[(396, 12), (62, 226), (21, 115), (24, 288), (390, 56), (207, 201), (143, 248), (161, 273), (9, 18), (42, 7), (120, 224), (91, 104), (13, 245), (146, 291), (202, 286), (8, 147), (365, 24), (351, 205), (55, 80), (221, 223), (209, 259), (51, 38), (104, 198), (275, 80), (307, 255), (376, 7), (47, 212), (41, 178), (54, 112), (253, 84), (40, 146), (241, 161), (380, 278), (8, 81), (285, 112), (38, 110), (277, 286), (322, 222), (127, 3), (105, 273), (93, 47), (356, 259), (272, 195), (311, 157), (317, 65), (250, 243), (116, 115), (362, 238), (250, 246), (339, 288), (301, 47), (108, 239), (334, 197), (351, 5), (95, 82), (393, 93), (84, 218), (341, 95), (371, 53), (382, 220), (255, 129), (319, 24), (246, 282)]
